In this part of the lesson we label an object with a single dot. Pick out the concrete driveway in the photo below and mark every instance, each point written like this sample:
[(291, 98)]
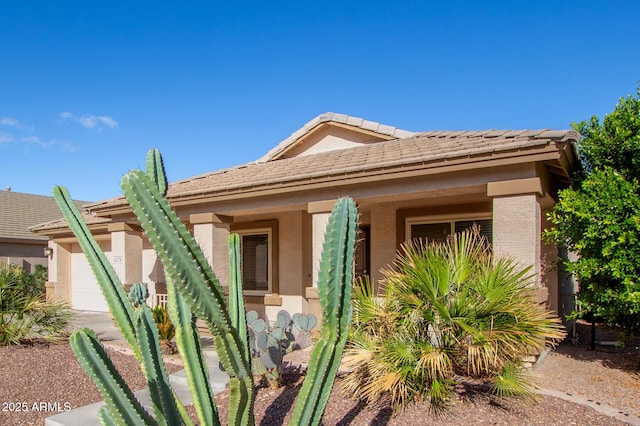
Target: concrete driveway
[(100, 322)]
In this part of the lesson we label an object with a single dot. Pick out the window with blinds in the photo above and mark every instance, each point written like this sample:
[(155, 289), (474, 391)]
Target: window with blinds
[(439, 231), (255, 261), (484, 227)]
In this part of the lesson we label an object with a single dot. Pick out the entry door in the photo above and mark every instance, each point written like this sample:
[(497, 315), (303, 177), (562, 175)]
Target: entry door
[(363, 253)]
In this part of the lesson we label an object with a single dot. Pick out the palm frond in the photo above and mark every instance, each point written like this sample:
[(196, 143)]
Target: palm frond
[(446, 309)]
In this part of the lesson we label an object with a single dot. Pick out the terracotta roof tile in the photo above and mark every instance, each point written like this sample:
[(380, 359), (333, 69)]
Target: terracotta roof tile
[(423, 148)]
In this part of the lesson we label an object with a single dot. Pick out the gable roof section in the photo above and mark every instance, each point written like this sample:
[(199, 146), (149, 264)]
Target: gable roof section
[(20, 211), (380, 131), (427, 150)]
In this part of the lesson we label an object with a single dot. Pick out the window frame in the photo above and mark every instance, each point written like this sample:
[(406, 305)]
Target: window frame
[(452, 219), (270, 228)]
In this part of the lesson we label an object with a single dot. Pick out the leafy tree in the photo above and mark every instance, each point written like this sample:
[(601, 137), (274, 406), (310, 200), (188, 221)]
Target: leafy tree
[(615, 142), (599, 217)]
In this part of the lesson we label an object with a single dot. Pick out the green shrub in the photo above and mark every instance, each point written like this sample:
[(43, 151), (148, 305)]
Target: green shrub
[(446, 310), (24, 313), (166, 329)]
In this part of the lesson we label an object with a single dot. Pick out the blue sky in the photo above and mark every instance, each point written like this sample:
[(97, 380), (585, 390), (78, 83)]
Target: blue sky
[(86, 88)]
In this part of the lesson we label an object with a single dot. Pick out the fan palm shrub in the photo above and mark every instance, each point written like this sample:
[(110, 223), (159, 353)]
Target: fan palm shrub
[(446, 311), (24, 313)]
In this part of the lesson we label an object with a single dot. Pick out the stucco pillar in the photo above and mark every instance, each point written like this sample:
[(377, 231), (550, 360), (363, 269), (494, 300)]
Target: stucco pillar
[(58, 286), (383, 240), (517, 217), (320, 211), (211, 231), (126, 252), (52, 271)]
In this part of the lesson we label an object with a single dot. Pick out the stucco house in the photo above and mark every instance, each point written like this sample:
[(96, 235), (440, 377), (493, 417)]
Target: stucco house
[(19, 212), (406, 185)]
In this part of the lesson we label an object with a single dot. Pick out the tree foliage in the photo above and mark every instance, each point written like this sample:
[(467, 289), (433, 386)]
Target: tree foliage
[(599, 218), (615, 142)]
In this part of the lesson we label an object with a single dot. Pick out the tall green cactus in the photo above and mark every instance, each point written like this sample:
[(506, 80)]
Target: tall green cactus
[(335, 279), (121, 404), (194, 289), (187, 268), (110, 284)]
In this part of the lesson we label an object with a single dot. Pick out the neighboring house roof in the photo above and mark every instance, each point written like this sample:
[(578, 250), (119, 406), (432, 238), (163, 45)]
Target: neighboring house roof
[(19, 212)]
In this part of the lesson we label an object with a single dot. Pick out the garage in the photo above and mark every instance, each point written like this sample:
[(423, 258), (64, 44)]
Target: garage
[(85, 291)]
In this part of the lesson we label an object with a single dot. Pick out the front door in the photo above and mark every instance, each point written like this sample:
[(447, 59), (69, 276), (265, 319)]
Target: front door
[(362, 253)]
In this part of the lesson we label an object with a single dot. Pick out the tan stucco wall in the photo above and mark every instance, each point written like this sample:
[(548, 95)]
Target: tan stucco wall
[(319, 225), (62, 259), (212, 236), (516, 230), (330, 138), (383, 238), (152, 271), (25, 255), (126, 253), (290, 259)]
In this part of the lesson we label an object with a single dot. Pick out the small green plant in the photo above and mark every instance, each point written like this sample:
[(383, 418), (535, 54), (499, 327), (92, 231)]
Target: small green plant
[(269, 343), (24, 313), (166, 329), (446, 311), (194, 290)]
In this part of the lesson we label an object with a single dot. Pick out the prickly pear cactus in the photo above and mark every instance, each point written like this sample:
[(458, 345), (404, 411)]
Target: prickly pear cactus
[(269, 344), (303, 324), (283, 319)]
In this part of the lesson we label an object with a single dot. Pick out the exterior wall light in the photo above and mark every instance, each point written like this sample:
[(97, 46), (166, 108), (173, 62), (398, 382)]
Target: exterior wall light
[(48, 251)]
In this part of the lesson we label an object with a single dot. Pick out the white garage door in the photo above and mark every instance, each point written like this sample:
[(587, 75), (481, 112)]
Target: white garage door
[(85, 291)]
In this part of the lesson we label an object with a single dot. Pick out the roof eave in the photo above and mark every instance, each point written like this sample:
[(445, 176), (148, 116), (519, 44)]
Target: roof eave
[(551, 152)]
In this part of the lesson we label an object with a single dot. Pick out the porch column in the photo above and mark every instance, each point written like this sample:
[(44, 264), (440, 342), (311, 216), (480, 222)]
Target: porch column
[(211, 231), (126, 252), (58, 285), (319, 211), (517, 217)]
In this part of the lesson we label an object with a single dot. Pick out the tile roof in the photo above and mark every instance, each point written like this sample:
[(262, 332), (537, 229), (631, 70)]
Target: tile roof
[(424, 149), (20, 211), (61, 224)]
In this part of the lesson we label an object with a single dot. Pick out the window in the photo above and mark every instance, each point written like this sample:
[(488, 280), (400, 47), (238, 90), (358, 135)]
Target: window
[(255, 261), (259, 256), (438, 229)]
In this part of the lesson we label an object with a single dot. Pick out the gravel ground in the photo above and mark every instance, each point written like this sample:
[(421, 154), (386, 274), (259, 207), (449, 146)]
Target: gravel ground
[(608, 375), (43, 379)]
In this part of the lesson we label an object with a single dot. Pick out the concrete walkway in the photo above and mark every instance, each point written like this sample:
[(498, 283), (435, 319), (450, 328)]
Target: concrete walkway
[(106, 330), (597, 406)]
